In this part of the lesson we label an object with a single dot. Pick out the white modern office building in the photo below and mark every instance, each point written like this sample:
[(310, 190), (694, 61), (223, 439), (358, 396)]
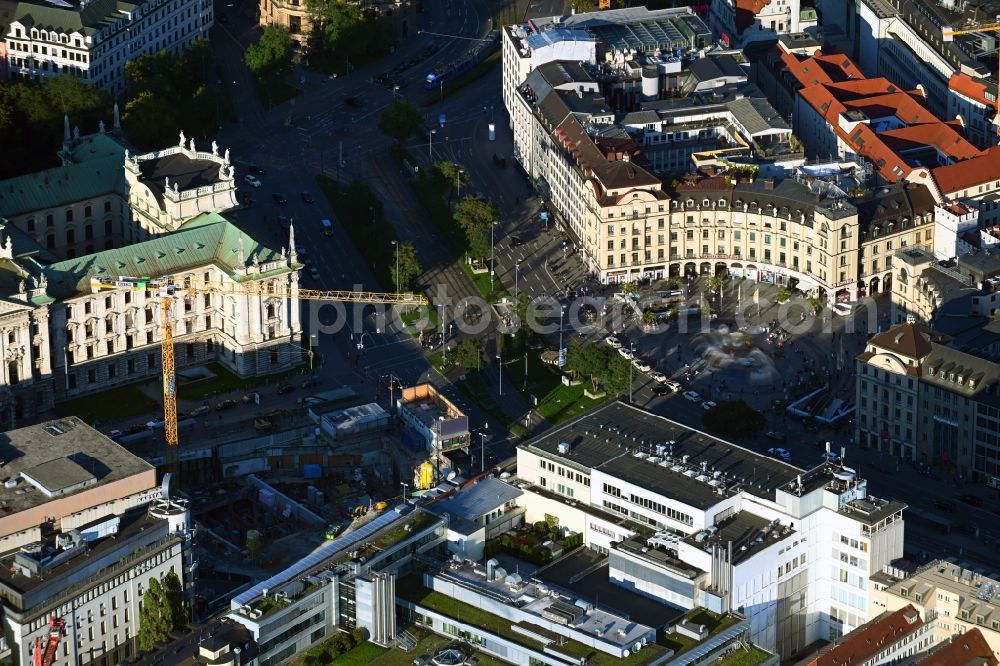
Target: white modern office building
[(703, 522)]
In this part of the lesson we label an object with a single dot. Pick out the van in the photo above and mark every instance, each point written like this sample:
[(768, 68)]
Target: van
[(671, 294), (327, 227)]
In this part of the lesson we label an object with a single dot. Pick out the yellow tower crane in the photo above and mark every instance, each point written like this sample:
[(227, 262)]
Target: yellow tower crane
[(167, 289), (948, 33)]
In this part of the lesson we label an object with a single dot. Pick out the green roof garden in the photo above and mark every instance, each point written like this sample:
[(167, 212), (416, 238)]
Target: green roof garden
[(751, 656), (411, 588), (714, 623)]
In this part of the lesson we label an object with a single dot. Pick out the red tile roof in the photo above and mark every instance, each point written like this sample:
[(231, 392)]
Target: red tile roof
[(968, 173), (969, 648), (833, 85), (869, 639), (972, 88)]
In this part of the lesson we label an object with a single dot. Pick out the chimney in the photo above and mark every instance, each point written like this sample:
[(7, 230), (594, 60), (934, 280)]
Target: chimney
[(768, 183)]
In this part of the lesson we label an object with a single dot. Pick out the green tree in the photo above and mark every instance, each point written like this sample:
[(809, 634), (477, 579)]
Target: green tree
[(405, 256), (400, 121), (335, 19), (452, 174), (648, 317), (734, 419), (629, 288), (715, 284), (617, 375), (587, 360), (149, 121), (476, 216), (583, 5), (521, 309), (270, 57), (468, 354), (72, 96), (816, 304), (173, 593), (155, 618), (783, 295)]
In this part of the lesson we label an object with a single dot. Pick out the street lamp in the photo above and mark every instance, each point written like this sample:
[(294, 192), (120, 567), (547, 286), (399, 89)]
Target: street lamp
[(395, 91), (631, 364), (458, 182), (430, 145), (562, 313), (492, 229), (395, 244), (482, 448), (500, 371), (517, 265)]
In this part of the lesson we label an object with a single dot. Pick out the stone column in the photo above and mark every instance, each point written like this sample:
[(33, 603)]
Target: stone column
[(255, 304), (295, 306), (40, 317)]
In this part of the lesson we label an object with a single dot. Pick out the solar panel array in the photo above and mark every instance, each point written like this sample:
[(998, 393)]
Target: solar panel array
[(317, 557)]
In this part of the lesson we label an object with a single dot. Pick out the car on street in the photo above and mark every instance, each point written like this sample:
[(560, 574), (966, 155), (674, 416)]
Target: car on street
[(314, 273), (640, 365), (198, 411), (673, 385), (285, 388), (661, 390), (308, 198), (279, 198), (613, 342), (780, 454), (971, 500), (516, 241), (353, 102), (692, 396), (626, 353), (708, 404), (253, 168), (945, 505), (153, 424), (658, 376), (776, 435), (830, 456), (225, 404), (251, 180)]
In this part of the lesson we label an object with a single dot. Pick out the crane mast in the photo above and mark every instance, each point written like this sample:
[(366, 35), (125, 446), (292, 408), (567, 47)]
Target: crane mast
[(166, 290)]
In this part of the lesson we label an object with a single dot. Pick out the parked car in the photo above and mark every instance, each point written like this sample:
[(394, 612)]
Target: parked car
[(225, 404), (626, 353), (279, 198), (708, 404), (613, 342), (198, 411), (692, 396), (251, 180), (153, 424), (658, 376), (285, 388), (673, 385), (308, 198), (640, 365), (776, 435), (661, 390), (971, 500), (781, 454), (516, 241)]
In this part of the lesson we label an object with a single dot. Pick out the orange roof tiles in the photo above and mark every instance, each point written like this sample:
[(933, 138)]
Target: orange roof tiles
[(972, 88), (968, 173), (969, 648), (833, 85), (869, 639)]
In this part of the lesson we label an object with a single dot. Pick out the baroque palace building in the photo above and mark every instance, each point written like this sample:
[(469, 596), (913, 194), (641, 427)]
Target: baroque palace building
[(108, 213)]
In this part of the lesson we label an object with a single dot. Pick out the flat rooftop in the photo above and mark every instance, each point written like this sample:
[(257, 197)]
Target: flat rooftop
[(534, 598), (476, 500), (749, 534), (63, 452), (690, 466)]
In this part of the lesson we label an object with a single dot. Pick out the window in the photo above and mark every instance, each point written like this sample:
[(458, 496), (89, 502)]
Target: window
[(69, 214)]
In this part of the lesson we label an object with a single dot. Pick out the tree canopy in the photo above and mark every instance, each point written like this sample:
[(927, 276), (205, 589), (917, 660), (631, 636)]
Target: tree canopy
[(151, 117), (605, 367), (400, 121), (345, 30), (271, 55), (155, 617), (476, 216), (31, 120), (409, 266), (468, 354)]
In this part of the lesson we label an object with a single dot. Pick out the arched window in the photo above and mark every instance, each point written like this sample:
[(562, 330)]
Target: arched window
[(902, 276), (108, 227), (88, 232), (70, 237), (50, 242)]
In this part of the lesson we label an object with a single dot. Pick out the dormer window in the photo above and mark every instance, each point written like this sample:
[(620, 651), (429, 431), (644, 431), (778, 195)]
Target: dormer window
[(705, 203), (689, 202), (722, 203)]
